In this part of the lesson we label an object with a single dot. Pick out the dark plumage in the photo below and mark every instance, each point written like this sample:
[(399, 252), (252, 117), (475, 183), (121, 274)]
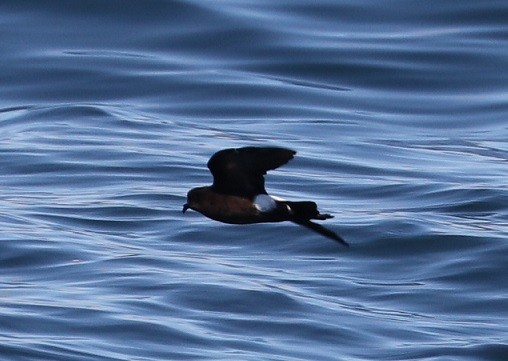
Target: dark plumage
[(238, 194)]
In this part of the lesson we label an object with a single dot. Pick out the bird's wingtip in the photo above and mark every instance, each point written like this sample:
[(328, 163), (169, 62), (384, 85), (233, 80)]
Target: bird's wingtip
[(323, 231)]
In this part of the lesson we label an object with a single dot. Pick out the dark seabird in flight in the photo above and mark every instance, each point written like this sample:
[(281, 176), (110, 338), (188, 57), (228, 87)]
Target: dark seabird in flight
[(238, 195)]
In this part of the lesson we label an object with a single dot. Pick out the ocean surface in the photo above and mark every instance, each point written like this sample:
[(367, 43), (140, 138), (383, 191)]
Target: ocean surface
[(109, 111)]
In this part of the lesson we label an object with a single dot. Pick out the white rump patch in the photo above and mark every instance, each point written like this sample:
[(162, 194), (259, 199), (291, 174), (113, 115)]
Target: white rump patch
[(264, 203), (282, 200), (278, 198)]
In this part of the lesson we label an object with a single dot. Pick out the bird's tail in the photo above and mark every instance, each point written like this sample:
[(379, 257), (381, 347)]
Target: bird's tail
[(303, 212)]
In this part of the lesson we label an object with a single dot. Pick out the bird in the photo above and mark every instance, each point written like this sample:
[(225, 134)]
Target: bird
[(238, 195)]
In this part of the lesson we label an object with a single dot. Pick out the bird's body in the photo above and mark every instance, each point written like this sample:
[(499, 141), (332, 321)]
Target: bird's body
[(231, 209), (238, 195)]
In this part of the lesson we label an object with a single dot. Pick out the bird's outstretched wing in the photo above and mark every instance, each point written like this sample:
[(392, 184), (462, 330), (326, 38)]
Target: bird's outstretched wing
[(322, 230), (240, 171)]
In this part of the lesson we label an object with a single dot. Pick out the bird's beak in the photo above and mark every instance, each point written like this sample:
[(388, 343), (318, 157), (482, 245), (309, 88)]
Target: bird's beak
[(185, 207)]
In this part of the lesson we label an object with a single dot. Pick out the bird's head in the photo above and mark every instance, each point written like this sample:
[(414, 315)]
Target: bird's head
[(194, 199)]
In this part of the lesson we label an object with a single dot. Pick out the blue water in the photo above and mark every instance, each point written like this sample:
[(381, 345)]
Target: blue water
[(109, 111)]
